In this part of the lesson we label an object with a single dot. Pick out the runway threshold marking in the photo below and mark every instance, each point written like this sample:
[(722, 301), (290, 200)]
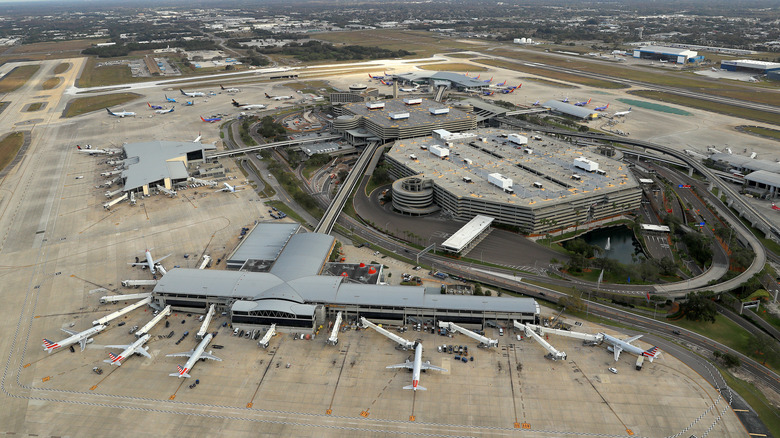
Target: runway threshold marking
[(338, 379), (270, 361), (173, 396), (94, 387)]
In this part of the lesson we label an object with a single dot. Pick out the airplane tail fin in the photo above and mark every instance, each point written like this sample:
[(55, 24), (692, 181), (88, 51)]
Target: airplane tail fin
[(109, 111), (587, 102), (79, 147), (652, 353), (629, 108), (48, 344), (220, 86), (201, 117), (419, 388), (181, 372), (150, 105), (182, 92), (267, 96)]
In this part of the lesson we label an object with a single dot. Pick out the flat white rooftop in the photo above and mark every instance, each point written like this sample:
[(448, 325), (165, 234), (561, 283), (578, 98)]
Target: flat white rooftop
[(467, 233)]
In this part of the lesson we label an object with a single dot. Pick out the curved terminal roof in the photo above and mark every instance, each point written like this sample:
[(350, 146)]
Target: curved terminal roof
[(303, 255)]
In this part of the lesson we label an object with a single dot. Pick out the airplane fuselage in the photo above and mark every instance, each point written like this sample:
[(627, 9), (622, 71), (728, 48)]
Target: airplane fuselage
[(184, 372), (150, 261), (129, 350), (625, 346), (418, 350), (67, 342)]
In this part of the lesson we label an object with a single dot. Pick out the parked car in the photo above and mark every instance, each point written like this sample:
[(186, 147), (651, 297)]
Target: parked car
[(612, 370)]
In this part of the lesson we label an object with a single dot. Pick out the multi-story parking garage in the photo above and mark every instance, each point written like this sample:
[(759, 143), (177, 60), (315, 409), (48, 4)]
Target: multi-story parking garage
[(540, 186)]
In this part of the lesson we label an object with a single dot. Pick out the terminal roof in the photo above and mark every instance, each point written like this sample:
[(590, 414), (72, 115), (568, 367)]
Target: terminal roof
[(148, 162)]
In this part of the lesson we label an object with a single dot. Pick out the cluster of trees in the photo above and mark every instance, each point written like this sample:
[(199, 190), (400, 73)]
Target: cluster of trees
[(698, 245), (270, 129), (585, 256), (120, 49), (317, 51)]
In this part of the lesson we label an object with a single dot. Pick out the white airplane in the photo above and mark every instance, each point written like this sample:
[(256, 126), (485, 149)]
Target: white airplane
[(230, 90), (409, 90), (150, 262), (82, 338), (165, 111), (228, 188), (136, 347), (89, 150), (248, 106), (192, 93), (278, 97), (197, 139), (416, 366), (193, 355), (121, 113), (622, 113), (618, 345)]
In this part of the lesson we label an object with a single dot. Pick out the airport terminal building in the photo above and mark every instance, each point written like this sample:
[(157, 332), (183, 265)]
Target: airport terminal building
[(163, 163), (295, 295), (538, 185)]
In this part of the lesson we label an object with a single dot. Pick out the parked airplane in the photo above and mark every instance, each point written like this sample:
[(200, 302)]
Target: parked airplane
[(89, 150), (154, 106), (248, 106), (229, 188), (375, 77), (136, 347), (416, 366), (165, 111), (501, 84), (211, 119), (478, 76), (170, 99), (663, 61), (150, 262), (622, 113), (565, 99), (388, 83), (618, 345), (192, 93), (774, 207), (230, 90), (714, 69), (489, 80), (278, 97), (510, 90), (602, 108), (409, 90), (487, 93), (121, 114), (583, 103), (189, 102), (536, 103), (82, 338), (193, 355)]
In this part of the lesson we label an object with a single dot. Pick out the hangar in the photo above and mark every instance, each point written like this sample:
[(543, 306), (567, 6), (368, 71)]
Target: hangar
[(750, 66), (295, 294), (571, 110), (670, 54)]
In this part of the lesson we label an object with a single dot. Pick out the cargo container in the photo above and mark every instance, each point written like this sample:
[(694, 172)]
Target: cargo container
[(499, 180), (412, 100), (439, 111), (586, 164), (517, 139), (375, 105)]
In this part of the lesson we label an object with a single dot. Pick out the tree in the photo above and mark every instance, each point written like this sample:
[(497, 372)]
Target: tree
[(762, 346), (573, 304), (730, 360), (477, 289), (667, 266), (700, 308)]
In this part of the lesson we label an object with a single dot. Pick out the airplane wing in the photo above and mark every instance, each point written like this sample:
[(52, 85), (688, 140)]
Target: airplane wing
[(406, 364), (187, 354), (427, 366), (209, 356), (142, 351), (123, 347), (162, 258), (617, 351), (70, 332), (221, 190), (631, 339), (83, 343), (138, 264)]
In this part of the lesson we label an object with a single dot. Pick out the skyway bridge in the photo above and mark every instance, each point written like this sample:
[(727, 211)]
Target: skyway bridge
[(260, 147)]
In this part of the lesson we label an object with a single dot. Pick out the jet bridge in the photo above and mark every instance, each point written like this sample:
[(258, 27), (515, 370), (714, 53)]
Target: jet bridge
[(206, 321), (403, 342), (145, 329), (168, 192), (267, 338), (483, 340), (113, 202), (554, 354), (334, 334), (117, 298), (104, 320), (569, 334), (132, 283), (205, 263), (202, 182)]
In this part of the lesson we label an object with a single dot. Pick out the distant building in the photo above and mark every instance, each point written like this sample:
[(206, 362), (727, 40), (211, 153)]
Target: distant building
[(750, 66), (661, 53)]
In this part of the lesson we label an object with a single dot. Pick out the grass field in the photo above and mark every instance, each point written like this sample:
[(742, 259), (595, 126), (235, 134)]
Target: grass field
[(83, 105), (655, 107), (714, 107), (459, 55), (57, 46), (17, 77), (9, 147), (551, 74), (62, 68), (547, 82), (419, 42), (51, 83), (763, 132), (452, 66), (34, 106), (756, 400)]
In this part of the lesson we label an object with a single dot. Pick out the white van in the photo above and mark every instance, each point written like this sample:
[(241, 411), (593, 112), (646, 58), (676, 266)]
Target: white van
[(500, 331)]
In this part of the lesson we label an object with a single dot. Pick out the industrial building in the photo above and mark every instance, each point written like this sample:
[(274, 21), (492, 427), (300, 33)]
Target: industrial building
[(670, 54), (392, 119), (578, 112), (538, 187), (750, 66), (295, 294), (160, 162)]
